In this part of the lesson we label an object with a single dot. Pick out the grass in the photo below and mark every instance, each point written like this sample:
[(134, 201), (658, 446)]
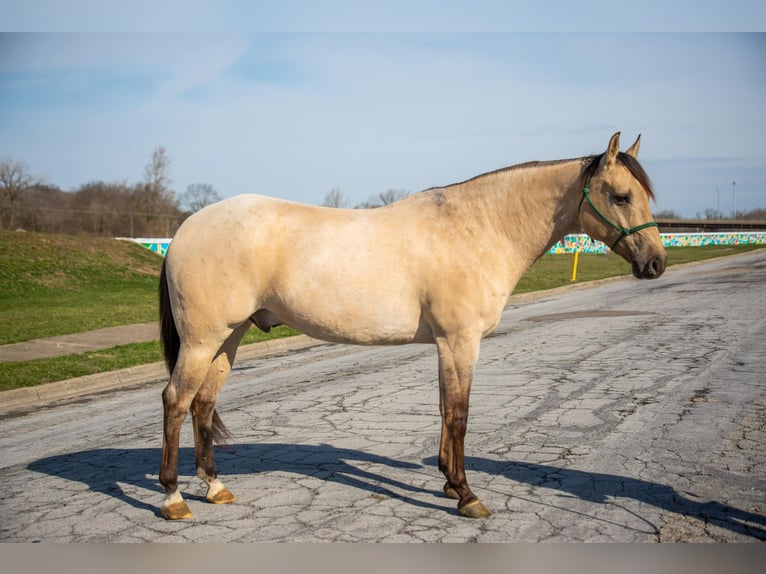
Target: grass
[(53, 285), (29, 373), (555, 270)]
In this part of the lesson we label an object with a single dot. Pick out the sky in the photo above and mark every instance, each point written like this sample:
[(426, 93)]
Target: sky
[(295, 98)]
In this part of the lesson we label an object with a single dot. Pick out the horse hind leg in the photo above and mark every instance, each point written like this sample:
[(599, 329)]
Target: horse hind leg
[(185, 380), (208, 426)]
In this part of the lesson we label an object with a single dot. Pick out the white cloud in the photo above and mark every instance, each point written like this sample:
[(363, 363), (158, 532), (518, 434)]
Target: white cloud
[(294, 115)]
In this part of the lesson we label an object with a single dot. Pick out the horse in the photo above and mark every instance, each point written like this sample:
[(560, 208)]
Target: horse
[(435, 267)]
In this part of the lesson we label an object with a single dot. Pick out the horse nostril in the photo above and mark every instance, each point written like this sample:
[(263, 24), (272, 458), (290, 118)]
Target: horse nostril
[(655, 267)]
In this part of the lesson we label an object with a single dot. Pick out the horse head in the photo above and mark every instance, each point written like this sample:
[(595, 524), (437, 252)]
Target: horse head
[(614, 208)]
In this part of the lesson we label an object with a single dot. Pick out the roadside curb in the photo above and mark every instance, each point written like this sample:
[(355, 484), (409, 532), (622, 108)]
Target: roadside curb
[(29, 397)]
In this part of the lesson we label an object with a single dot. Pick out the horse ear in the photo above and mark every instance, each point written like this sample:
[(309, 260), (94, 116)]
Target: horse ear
[(613, 149), (632, 151)]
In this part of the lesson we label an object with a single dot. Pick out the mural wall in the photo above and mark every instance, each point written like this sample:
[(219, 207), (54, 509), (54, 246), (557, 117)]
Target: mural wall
[(159, 246), (585, 244)]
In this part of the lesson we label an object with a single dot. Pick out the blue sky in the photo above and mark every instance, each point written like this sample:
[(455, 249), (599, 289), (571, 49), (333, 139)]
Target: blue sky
[(251, 99)]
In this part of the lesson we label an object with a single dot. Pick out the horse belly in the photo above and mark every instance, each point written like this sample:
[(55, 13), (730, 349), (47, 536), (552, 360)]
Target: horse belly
[(348, 303), (363, 319)]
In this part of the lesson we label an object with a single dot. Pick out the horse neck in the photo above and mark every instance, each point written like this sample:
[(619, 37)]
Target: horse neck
[(535, 205)]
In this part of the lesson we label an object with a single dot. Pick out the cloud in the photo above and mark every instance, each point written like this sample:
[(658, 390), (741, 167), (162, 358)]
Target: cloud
[(294, 115)]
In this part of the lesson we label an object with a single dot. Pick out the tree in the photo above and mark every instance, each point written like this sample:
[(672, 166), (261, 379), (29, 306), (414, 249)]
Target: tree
[(156, 175), (154, 198), (199, 195), (15, 180), (383, 198), (711, 213), (392, 195), (335, 198), (667, 214), (102, 208)]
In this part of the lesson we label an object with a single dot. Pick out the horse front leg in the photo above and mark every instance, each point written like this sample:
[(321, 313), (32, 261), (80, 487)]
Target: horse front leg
[(456, 366), (445, 446)]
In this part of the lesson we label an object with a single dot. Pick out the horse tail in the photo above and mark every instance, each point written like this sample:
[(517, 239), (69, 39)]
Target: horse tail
[(169, 339), (171, 345), (220, 432)]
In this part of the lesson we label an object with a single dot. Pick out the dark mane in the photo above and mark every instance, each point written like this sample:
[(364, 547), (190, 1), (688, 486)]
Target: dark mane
[(504, 169), (628, 161), (591, 164)]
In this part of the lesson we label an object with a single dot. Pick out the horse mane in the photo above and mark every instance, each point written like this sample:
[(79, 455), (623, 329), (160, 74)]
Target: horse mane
[(503, 170), (591, 164), (631, 163)]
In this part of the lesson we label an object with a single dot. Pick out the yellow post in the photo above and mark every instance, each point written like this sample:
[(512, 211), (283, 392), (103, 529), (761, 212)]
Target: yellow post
[(574, 266)]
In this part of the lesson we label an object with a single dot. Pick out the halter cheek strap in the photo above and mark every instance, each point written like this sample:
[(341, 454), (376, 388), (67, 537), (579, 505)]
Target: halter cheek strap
[(624, 231)]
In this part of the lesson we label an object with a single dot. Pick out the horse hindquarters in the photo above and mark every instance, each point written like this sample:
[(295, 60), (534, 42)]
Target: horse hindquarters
[(197, 373)]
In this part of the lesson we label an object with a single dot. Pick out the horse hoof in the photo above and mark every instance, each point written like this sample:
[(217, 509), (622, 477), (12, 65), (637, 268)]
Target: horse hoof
[(474, 509), (223, 496), (176, 511), (450, 492)]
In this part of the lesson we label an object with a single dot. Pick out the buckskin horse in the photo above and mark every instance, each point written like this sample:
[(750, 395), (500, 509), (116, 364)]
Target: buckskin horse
[(436, 267)]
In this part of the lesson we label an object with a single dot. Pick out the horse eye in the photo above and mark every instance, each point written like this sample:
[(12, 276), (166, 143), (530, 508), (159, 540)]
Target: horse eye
[(622, 199)]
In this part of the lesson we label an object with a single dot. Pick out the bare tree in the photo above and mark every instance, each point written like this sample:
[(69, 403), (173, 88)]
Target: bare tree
[(15, 180), (667, 214), (335, 198), (392, 195), (154, 197), (383, 198), (199, 195), (157, 175)]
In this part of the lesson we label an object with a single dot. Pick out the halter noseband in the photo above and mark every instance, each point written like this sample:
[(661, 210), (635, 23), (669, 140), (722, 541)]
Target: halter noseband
[(624, 231)]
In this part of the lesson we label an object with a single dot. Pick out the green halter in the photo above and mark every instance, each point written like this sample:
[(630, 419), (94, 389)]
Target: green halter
[(624, 231)]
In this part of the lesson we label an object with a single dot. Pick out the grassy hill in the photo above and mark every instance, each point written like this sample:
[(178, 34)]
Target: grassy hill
[(57, 284)]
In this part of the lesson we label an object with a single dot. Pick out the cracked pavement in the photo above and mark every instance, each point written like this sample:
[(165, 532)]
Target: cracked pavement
[(628, 411)]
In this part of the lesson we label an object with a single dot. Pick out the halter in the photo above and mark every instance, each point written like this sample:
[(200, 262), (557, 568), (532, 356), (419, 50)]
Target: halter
[(624, 231)]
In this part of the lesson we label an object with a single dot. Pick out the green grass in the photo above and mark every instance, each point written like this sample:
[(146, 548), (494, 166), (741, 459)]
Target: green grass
[(53, 285), (29, 373), (556, 270)]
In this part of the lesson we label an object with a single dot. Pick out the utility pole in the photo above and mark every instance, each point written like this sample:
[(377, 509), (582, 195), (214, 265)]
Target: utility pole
[(733, 199)]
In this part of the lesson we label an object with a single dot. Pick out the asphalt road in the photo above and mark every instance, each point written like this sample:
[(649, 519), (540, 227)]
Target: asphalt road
[(629, 411)]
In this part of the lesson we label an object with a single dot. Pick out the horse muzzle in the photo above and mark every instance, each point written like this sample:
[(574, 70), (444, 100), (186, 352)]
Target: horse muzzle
[(652, 268)]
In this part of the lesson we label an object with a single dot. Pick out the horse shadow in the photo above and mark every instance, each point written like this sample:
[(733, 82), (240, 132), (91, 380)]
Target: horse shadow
[(121, 474), (606, 488)]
